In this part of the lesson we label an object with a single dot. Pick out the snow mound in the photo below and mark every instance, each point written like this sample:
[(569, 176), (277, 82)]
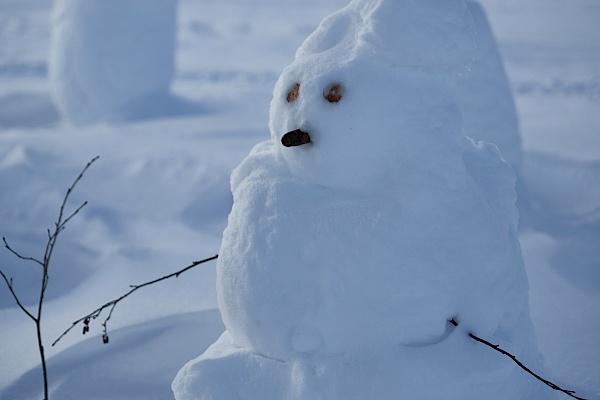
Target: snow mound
[(112, 59)]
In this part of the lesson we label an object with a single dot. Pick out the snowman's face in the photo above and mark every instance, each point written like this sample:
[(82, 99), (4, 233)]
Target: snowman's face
[(333, 94), (356, 126)]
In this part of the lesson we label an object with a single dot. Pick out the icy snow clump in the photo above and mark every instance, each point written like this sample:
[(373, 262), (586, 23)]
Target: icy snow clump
[(366, 223)]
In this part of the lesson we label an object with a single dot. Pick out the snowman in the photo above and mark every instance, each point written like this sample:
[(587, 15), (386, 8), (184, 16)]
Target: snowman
[(366, 223)]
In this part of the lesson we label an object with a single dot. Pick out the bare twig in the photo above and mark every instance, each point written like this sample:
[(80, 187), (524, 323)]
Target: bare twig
[(35, 260), (113, 303), (17, 300), (519, 363), (59, 226)]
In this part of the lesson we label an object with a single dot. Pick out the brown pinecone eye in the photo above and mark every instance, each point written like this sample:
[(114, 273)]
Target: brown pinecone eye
[(293, 94), (333, 93)]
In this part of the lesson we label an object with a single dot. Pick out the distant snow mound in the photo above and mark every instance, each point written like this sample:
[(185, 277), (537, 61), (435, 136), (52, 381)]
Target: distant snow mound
[(107, 57)]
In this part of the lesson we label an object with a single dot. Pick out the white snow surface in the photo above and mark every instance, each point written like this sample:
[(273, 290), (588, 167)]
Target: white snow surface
[(159, 198), (485, 97)]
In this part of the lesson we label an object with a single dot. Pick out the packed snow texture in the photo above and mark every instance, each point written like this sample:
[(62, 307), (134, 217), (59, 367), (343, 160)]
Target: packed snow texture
[(345, 258), (159, 196), (485, 97), (102, 66)]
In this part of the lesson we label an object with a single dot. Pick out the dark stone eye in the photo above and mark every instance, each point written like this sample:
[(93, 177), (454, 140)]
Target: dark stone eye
[(333, 93), (293, 93)]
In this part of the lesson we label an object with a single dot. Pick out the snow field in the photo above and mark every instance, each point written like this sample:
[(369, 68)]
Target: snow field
[(161, 182)]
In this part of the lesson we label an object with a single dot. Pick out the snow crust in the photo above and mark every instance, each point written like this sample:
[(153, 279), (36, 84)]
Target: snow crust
[(345, 258)]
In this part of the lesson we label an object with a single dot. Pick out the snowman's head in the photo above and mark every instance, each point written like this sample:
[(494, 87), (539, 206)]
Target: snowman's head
[(368, 93)]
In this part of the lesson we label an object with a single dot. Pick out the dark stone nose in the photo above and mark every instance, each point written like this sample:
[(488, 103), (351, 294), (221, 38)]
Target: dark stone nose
[(295, 138)]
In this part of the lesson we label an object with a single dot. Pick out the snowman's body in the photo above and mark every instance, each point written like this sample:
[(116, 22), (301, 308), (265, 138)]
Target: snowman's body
[(309, 269), (347, 254)]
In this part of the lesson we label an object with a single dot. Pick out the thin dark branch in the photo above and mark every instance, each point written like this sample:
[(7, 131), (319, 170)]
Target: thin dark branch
[(113, 303), (59, 226), (59, 222), (35, 260), (519, 363), (512, 357), (12, 291), (74, 213)]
